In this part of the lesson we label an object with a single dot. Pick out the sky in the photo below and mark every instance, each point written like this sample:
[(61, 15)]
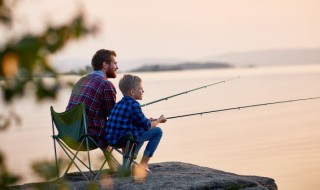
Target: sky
[(184, 30)]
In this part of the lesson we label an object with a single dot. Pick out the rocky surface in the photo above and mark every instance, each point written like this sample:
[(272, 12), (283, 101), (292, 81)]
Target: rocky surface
[(168, 175)]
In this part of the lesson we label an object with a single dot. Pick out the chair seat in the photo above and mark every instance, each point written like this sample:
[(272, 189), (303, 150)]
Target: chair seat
[(122, 142), (76, 145)]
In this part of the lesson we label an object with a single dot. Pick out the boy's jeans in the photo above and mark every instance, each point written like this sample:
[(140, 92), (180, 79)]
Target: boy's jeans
[(153, 136)]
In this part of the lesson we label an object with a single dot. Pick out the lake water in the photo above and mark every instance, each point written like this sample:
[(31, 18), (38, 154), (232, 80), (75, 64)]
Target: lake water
[(279, 141)]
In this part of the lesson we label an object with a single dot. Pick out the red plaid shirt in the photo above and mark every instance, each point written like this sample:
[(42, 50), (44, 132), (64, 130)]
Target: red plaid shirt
[(99, 97)]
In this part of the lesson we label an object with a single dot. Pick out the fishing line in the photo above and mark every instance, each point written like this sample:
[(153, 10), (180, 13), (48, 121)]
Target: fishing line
[(242, 107)]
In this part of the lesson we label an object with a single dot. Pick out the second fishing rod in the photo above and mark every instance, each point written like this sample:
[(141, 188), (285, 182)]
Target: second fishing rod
[(243, 107), (186, 92)]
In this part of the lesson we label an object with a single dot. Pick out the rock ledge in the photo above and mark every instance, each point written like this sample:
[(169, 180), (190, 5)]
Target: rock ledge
[(172, 175)]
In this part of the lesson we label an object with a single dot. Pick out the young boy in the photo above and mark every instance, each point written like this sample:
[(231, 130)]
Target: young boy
[(127, 117)]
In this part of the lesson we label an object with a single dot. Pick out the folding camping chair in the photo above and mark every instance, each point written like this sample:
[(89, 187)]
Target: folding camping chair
[(73, 137)]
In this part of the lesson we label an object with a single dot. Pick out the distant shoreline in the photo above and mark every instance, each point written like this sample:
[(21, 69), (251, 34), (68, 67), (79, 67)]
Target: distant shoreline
[(181, 66)]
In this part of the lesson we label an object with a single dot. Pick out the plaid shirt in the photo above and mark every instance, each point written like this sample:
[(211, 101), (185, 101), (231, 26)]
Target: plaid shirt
[(99, 97), (126, 117)]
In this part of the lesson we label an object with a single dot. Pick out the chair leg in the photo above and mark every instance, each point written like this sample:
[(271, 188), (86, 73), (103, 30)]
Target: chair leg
[(89, 160), (72, 160), (127, 159), (111, 159), (55, 155), (108, 158)]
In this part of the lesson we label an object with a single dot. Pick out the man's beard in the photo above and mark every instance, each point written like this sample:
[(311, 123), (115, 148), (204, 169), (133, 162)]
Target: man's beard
[(111, 74)]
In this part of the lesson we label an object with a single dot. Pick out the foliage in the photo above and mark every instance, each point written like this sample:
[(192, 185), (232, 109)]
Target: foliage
[(25, 60), (5, 13), (5, 177), (24, 64), (47, 169)]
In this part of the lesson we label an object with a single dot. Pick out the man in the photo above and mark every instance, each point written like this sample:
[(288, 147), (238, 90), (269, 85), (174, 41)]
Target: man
[(97, 93)]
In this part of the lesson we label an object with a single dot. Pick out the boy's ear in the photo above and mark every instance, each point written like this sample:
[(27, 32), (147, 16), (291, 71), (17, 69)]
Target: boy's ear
[(132, 92)]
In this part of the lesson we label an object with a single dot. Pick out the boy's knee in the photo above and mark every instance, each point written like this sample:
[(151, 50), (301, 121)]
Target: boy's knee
[(159, 131)]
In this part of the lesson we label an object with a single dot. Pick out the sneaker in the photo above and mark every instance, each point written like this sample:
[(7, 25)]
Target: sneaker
[(148, 170), (139, 173)]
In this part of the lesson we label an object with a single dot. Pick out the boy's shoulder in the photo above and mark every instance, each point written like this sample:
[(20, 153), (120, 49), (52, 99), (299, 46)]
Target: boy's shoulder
[(130, 100)]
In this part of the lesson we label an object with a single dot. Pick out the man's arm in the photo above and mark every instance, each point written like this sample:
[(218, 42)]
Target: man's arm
[(110, 95)]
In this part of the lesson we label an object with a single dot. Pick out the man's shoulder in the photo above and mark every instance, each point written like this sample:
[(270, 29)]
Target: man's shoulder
[(96, 78), (108, 84), (88, 78)]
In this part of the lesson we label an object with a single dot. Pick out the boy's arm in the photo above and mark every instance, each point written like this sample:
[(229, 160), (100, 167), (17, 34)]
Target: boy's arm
[(138, 117), (156, 122)]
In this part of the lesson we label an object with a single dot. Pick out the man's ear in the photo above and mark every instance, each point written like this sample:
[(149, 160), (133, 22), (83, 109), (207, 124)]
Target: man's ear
[(104, 65)]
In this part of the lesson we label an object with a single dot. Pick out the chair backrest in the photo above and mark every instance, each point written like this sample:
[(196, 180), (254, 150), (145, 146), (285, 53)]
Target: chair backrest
[(71, 125)]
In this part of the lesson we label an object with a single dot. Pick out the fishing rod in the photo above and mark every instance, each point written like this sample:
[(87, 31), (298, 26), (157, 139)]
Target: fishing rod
[(186, 92), (241, 107)]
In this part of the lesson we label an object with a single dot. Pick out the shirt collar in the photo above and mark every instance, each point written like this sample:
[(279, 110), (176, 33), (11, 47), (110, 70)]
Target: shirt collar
[(130, 98), (99, 72)]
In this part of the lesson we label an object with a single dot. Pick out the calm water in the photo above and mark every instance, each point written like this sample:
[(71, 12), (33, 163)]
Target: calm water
[(279, 141)]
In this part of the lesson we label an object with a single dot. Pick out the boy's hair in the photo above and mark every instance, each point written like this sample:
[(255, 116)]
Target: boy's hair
[(101, 56), (128, 82)]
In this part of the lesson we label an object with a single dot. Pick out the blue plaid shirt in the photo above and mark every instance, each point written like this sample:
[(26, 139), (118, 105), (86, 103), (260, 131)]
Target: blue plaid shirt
[(125, 117)]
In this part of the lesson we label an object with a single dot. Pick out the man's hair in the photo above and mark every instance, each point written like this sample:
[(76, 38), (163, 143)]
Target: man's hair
[(101, 56), (128, 82)]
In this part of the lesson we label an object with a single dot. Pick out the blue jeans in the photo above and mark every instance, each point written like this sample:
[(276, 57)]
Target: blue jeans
[(153, 136)]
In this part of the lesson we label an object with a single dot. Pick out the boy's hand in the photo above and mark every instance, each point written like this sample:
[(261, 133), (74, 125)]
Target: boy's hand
[(162, 119)]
